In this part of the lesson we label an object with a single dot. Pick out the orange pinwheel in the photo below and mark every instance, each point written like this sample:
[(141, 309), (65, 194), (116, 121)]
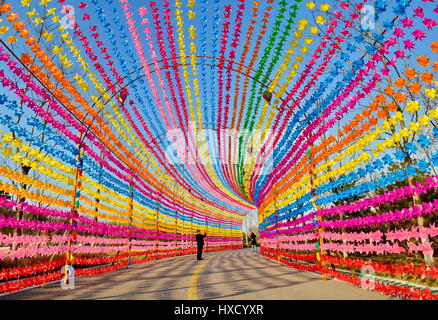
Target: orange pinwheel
[(366, 126), (12, 17), (400, 83), (6, 7), (358, 117), (400, 97), (24, 33), (30, 41), (389, 90), (356, 134), (415, 88), (42, 76), (373, 121), (382, 114), (374, 106), (423, 61), (26, 59), (434, 46), (18, 25), (34, 68), (410, 73), (380, 99), (391, 106), (349, 139), (427, 77)]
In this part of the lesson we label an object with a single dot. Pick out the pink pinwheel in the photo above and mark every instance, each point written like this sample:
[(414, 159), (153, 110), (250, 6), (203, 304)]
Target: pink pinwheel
[(397, 249), (433, 231), (429, 23), (377, 249), (65, 9), (409, 44), (384, 71), (4, 57), (407, 234), (419, 12), (407, 23), (5, 82), (426, 248), (378, 235), (412, 247), (418, 34), (142, 11), (398, 32), (390, 42), (399, 53), (370, 64), (401, 234), (390, 235), (422, 232)]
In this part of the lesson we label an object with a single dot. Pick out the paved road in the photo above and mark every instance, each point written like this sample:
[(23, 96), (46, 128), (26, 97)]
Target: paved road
[(236, 274)]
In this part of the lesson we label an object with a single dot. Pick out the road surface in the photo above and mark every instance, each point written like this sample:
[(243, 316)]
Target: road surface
[(229, 275)]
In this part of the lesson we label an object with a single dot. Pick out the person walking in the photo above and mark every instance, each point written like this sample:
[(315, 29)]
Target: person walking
[(254, 242), (200, 242)]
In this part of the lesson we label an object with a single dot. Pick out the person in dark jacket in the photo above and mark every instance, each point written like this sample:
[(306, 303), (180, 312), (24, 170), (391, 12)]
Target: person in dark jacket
[(254, 242), (200, 241)]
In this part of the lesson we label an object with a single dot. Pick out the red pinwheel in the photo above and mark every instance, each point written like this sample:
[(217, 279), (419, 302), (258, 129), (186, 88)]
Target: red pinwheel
[(344, 6)]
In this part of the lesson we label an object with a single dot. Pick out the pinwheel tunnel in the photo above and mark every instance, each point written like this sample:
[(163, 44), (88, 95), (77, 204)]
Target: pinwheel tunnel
[(127, 126)]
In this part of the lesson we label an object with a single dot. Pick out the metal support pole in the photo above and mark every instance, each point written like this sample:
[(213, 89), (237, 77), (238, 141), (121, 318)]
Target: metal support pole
[(74, 208), (276, 224), (320, 231), (131, 208), (156, 226)]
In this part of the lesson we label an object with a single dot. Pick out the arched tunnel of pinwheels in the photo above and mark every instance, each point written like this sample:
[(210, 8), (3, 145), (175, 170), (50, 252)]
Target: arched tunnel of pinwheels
[(296, 139)]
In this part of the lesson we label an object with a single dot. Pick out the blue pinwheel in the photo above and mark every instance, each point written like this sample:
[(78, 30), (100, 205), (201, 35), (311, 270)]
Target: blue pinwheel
[(411, 147), (434, 159), (423, 165), (424, 141), (387, 159), (400, 155)]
